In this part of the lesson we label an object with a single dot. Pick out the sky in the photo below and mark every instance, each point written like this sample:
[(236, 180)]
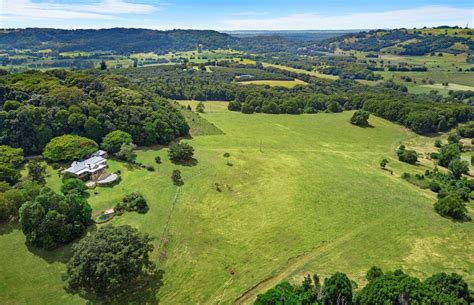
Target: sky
[(235, 15)]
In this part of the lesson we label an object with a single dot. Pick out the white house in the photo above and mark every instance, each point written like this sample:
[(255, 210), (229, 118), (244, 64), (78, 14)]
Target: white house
[(89, 168)]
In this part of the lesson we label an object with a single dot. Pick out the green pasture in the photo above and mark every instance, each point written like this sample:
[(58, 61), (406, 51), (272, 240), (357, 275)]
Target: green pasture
[(274, 83), (298, 194)]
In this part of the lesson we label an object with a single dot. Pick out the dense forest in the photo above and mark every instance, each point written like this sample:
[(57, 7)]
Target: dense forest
[(37, 106)]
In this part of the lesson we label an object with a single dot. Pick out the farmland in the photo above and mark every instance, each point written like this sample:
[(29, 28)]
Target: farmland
[(285, 209)]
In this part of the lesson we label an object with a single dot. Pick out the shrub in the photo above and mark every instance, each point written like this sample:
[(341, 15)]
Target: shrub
[(114, 140), (200, 107), (453, 138), (234, 106), (247, 108), (360, 118), (69, 148), (451, 206), (180, 152), (449, 153), (383, 163), (434, 186), (127, 153), (73, 186), (408, 156), (158, 159), (438, 143), (458, 167), (133, 202), (176, 177), (150, 168)]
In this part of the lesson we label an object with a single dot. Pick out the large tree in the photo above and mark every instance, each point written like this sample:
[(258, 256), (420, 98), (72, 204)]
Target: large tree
[(451, 206), (109, 261), (113, 141), (69, 148), (52, 219), (180, 152)]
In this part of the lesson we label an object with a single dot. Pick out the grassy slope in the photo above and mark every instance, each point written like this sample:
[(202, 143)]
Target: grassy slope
[(312, 200)]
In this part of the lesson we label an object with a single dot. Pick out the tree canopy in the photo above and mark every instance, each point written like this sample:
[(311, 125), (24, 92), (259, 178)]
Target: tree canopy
[(69, 148), (52, 219), (109, 261), (114, 140)]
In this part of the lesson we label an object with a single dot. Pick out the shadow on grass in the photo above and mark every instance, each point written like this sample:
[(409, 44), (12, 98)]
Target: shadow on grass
[(191, 162), (8, 227), (143, 292)]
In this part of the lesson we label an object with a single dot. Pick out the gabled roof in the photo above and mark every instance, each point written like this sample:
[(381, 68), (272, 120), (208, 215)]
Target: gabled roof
[(91, 165)]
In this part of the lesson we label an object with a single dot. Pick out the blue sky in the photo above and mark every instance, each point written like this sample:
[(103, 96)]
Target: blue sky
[(234, 15)]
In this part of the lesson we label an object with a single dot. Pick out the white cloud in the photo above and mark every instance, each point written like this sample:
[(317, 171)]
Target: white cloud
[(107, 9), (416, 17)]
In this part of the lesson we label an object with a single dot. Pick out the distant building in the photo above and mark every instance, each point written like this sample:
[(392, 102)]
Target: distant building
[(244, 76), (90, 168)]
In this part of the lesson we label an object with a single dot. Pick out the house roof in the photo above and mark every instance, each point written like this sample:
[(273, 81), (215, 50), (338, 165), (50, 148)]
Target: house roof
[(91, 165), (99, 153)]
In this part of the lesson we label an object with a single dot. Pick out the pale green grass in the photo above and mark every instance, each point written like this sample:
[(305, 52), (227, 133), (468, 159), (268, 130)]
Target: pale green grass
[(210, 106), (304, 194), (450, 86), (274, 83), (312, 73)]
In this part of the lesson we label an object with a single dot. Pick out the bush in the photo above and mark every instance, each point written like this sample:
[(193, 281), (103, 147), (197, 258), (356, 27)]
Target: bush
[(434, 186), (453, 139), (133, 202), (200, 107), (408, 156), (449, 153), (234, 106), (247, 108), (180, 152), (438, 143), (114, 140), (127, 153), (360, 118), (150, 168), (458, 167), (176, 177), (69, 148), (73, 186), (158, 159), (451, 206)]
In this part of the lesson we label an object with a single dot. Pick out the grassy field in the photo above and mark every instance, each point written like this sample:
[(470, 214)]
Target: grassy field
[(312, 73), (303, 194), (274, 83)]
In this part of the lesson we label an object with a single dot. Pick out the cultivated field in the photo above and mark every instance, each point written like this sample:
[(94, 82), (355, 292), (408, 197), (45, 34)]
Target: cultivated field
[(301, 194)]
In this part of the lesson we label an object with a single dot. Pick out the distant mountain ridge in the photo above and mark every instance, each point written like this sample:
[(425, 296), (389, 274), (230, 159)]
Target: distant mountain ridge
[(121, 40)]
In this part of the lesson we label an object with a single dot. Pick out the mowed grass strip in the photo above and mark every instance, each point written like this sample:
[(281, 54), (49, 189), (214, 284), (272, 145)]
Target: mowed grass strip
[(274, 83), (303, 194)]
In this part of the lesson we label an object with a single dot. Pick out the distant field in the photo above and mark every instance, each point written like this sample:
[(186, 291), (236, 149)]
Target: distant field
[(303, 194), (312, 73), (274, 83), (450, 86)]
